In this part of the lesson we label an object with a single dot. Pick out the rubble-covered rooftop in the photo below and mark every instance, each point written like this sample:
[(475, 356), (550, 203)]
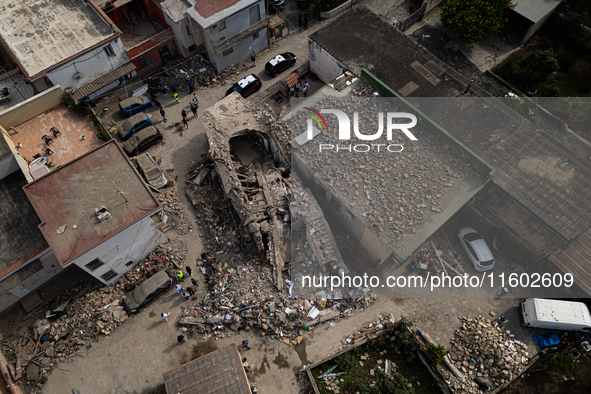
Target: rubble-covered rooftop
[(406, 67), (41, 33), (401, 197), (66, 199)]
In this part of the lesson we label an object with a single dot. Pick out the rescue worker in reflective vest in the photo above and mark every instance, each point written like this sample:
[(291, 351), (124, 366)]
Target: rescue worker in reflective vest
[(180, 275)]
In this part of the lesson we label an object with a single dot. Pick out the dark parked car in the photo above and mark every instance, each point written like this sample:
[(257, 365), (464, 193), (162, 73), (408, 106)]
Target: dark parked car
[(280, 63), (148, 291), (277, 5), (133, 125), (133, 105), (142, 140), (246, 86)]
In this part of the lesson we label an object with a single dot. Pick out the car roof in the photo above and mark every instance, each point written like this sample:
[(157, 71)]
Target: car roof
[(145, 160), (140, 136), (481, 248), (244, 82), (128, 124), (276, 60), (135, 99), (141, 292)]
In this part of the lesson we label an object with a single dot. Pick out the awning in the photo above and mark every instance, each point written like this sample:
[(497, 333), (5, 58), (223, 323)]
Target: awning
[(275, 21), (102, 81)]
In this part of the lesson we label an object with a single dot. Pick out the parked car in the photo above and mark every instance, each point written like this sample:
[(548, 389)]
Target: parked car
[(142, 140), (148, 291), (133, 105), (134, 124), (150, 171), (280, 63), (277, 4), (476, 249), (246, 86)]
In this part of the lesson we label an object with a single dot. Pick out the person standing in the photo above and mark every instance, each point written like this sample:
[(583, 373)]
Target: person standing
[(301, 20), (191, 290), (194, 282), (180, 339), (189, 271), (185, 123), (297, 88), (187, 296), (191, 86), (194, 110), (253, 59), (163, 89), (184, 115), (291, 91), (165, 316), (163, 114), (176, 97), (305, 90), (245, 345)]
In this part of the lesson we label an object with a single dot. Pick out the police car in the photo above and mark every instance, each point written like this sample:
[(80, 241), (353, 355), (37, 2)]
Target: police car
[(246, 86), (280, 63)]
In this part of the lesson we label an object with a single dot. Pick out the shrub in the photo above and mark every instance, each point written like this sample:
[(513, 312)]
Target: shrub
[(473, 19), (539, 65), (436, 353), (563, 363)]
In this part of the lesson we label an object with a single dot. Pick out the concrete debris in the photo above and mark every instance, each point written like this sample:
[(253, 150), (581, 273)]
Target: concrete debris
[(177, 220), (485, 354), (383, 321)]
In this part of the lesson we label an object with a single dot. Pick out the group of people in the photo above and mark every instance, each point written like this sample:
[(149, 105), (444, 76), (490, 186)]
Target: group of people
[(295, 89), (194, 104), (303, 19)]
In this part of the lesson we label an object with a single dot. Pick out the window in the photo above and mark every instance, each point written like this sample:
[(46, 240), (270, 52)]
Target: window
[(144, 61), (255, 36), (335, 204), (129, 263), (193, 48), (188, 31), (255, 15), (107, 276), (109, 50), (94, 264), (221, 25), (228, 51)]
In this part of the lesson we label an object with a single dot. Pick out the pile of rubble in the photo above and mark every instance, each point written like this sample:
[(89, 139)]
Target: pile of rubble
[(364, 89), (202, 72), (174, 211), (384, 321), (80, 316), (485, 354), (241, 291)]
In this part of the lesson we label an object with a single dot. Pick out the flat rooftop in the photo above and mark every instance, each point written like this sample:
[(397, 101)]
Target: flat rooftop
[(67, 146), (215, 373), (41, 33), (69, 195), (542, 166), (207, 12), (406, 67), (19, 234), (403, 198)]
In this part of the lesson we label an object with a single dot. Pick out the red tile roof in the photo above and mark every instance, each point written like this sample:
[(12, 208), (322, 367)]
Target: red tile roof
[(207, 8)]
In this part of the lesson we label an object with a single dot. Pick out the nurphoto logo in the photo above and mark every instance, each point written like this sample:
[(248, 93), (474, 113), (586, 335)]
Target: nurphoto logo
[(344, 130)]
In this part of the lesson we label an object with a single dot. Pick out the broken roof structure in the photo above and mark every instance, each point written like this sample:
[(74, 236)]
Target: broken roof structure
[(254, 174), (67, 198), (218, 372), (42, 35)]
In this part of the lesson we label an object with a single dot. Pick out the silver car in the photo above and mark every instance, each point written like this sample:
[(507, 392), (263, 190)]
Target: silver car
[(150, 171), (476, 249)]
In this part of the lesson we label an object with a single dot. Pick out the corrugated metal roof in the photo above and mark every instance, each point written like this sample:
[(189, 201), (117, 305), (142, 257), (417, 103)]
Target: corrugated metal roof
[(576, 259), (535, 10), (103, 81), (218, 372)]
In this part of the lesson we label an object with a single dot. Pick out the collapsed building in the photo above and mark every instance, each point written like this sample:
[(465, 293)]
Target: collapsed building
[(255, 174)]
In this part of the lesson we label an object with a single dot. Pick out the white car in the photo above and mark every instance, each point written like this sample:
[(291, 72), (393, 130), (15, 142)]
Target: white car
[(476, 248), (150, 171)]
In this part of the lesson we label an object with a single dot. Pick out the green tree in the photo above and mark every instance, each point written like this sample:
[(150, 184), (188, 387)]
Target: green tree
[(539, 65), (473, 19)]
